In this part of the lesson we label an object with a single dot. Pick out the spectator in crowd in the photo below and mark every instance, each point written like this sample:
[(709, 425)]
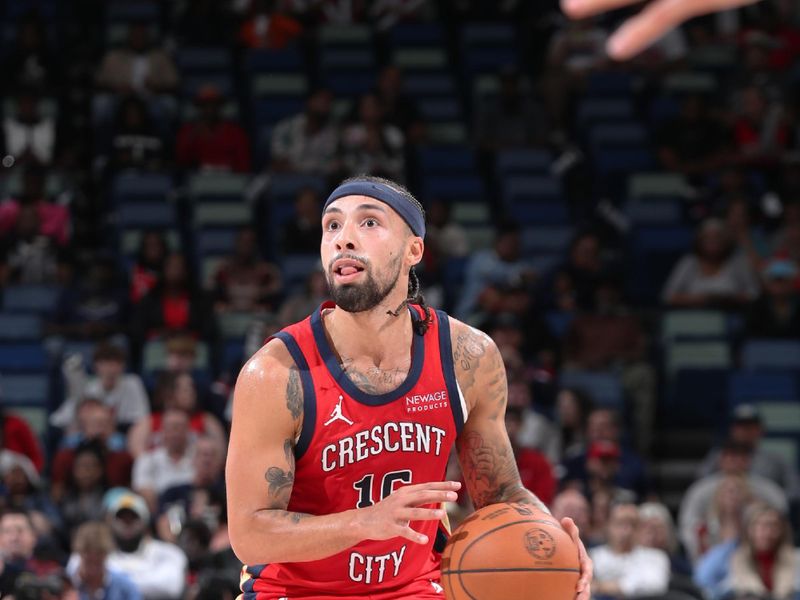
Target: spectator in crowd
[(174, 390), (157, 569), (24, 490), (245, 282), (657, 530), (734, 460), (623, 568), (139, 66), (211, 141), (268, 25), (30, 62), (308, 142), (723, 520), (776, 313), (298, 306), (123, 392), (169, 464), (573, 407), (612, 338), (786, 240), (175, 304), (760, 130), (536, 472), (302, 233), (510, 118), (134, 143), (30, 136), (85, 487), (695, 142), (500, 267), (763, 564), (571, 503), (95, 425), (30, 257), (601, 472), (149, 264), (17, 436), (371, 145), (534, 430), (444, 238), (399, 109), (574, 285), (746, 428), (92, 578), (714, 274), (54, 219), (18, 546)]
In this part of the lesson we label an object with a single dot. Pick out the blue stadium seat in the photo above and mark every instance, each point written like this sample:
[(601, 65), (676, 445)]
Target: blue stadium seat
[(595, 110), (446, 159), (31, 298), (461, 187), (285, 186), (657, 212), (346, 58), (297, 267), (121, 11), (613, 161), (23, 358), (749, 386), (489, 60), (604, 387), (524, 161), (288, 59), (140, 187), (629, 133), (654, 251), (20, 327), (198, 59), (529, 213), (552, 240), (487, 34), (559, 322), (25, 389), (146, 216), (429, 84), (771, 355), (694, 400), (440, 109), (416, 34), (215, 241), (609, 83), (223, 81), (268, 111), (349, 84), (534, 188)]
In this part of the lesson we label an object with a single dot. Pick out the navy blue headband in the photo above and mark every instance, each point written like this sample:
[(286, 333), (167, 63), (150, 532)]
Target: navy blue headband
[(387, 194)]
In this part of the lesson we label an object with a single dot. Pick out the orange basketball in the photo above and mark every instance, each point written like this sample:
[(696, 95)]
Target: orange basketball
[(510, 552)]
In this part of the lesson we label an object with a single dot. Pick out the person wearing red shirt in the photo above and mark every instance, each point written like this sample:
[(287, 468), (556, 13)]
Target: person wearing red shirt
[(535, 470), (17, 435)]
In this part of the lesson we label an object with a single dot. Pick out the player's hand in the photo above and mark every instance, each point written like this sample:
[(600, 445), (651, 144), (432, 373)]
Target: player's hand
[(659, 17), (583, 590), (391, 516)]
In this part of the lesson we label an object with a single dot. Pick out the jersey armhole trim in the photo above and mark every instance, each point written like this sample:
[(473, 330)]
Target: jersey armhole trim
[(309, 398), (457, 404)]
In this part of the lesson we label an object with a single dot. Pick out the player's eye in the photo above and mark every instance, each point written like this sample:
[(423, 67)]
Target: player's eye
[(332, 226), (370, 222)]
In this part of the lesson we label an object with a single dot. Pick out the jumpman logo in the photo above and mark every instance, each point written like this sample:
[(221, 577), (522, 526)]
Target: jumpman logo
[(337, 415)]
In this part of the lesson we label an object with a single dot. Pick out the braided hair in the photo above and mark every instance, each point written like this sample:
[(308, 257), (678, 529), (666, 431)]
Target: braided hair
[(414, 292)]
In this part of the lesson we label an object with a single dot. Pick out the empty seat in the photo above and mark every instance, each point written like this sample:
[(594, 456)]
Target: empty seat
[(604, 387), (697, 355), (235, 325), (693, 324), (546, 239), (523, 161), (420, 59), (535, 188), (595, 110), (751, 386), (23, 358), (346, 58), (30, 298), (24, 389), (690, 82), (282, 84), (148, 215), (268, 111), (528, 212), (447, 133), (440, 109), (446, 159), (765, 355), (222, 215), (780, 417), (297, 267), (216, 241), (20, 327), (617, 134), (335, 34), (285, 186), (656, 212), (694, 398), (487, 34), (624, 159), (198, 59), (217, 187), (659, 185), (429, 84), (288, 59), (416, 34), (454, 187), (470, 213), (141, 187)]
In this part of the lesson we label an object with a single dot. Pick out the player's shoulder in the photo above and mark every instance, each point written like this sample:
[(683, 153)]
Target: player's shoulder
[(469, 344), (270, 364)]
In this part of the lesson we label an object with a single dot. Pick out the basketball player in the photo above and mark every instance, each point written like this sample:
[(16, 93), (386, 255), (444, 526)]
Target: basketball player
[(650, 24), (343, 423)]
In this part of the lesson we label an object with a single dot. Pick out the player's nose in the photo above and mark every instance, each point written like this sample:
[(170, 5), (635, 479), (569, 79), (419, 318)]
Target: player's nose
[(346, 237)]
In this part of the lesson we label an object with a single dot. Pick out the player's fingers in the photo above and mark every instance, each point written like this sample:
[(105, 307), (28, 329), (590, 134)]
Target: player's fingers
[(414, 536), (431, 485), (587, 567), (429, 497), (657, 19), (420, 514), (578, 9)]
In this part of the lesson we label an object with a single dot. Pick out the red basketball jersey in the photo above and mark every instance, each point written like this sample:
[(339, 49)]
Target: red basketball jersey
[(356, 448)]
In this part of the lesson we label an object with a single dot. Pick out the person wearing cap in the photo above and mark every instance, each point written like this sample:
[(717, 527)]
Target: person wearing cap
[(343, 423), (746, 428), (776, 313), (156, 568)]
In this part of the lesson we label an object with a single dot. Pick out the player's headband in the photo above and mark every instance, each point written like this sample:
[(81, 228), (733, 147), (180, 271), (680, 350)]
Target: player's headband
[(387, 194)]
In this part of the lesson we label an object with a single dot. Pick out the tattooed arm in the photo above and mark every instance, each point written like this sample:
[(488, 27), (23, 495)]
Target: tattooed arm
[(259, 475)]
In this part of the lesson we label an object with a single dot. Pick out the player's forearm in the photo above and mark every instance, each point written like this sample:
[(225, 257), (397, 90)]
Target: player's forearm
[(522, 495), (274, 535)]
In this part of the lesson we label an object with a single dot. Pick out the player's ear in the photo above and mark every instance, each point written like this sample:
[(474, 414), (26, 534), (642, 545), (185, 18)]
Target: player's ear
[(415, 250)]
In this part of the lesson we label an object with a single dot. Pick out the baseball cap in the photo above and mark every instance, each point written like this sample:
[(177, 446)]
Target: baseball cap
[(780, 268), (745, 413), (118, 499), (603, 449)]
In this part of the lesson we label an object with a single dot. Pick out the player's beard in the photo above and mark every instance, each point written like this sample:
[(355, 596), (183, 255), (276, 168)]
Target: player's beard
[(364, 296)]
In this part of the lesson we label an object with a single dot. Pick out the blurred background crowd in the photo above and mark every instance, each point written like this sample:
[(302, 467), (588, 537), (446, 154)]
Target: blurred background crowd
[(628, 234)]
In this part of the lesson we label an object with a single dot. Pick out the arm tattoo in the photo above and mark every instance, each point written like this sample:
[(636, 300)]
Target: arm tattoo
[(294, 394), (280, 486), (475, 356)]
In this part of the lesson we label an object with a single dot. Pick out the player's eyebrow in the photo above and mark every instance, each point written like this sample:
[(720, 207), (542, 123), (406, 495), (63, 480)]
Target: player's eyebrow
[(366, 206)]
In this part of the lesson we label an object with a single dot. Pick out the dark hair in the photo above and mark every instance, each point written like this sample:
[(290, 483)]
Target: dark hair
[(107, 351), (15, 510), (414, 293), (97, 449)]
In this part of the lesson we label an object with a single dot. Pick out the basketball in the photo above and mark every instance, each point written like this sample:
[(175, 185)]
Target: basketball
[(510, 551)]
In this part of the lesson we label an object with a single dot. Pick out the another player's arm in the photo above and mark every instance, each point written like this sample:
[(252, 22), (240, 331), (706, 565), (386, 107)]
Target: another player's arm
[(484, 450), (267, 417)]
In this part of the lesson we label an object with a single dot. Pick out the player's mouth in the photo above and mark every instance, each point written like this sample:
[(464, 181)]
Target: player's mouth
[(347, 270)]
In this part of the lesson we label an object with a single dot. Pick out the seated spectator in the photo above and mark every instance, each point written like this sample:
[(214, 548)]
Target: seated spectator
[(149, 264), (698, 501), (444, 239), (574, 284), (268, 25), (302, 233), (509, 119), (175, 304), (85, 487), (20, 547), (763, 564), (157, 569), (29, 136), (786, 240), (92, 307), (623, 568), (91, 577), (760, 130), (29, 62), (601, 472), (17, 436), (746, 428), (776, 313), (296, 307), (372, 146), (23, 490), (399, 109), (694, 142), (657, 530), (245, 282), (174, 389), (612, 338), (516, 326), (535, 471), (212, 142), (54, 218), (95, 424), (307, 142), (534, 431), (501, 267), (571, 503), (170, 463), (714, 275), (29, 256), (138, 66), (134, 143), (573, 407)]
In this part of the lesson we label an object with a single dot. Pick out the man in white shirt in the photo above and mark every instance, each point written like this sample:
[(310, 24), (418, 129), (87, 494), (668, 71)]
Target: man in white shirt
[(623, 569), (170, 463)]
